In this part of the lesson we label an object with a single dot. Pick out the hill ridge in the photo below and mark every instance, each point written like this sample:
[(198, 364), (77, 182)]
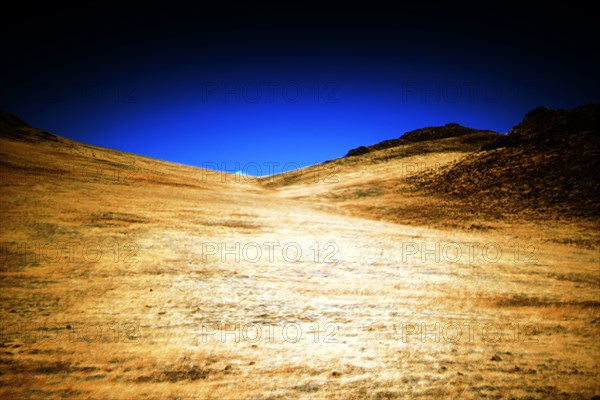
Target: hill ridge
[(451, 129)]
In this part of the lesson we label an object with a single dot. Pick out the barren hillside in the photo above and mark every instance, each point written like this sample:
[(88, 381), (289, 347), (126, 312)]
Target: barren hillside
[(549, 163), (126, 277)]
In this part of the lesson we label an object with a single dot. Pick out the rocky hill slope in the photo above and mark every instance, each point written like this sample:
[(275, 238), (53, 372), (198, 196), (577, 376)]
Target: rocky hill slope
[(420, 135), (549, 162)]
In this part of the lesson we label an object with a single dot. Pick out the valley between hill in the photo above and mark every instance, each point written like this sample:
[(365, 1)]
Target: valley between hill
[(128, 277)]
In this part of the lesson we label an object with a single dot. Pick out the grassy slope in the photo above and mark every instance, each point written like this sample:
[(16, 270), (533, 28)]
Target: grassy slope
[(160, 290), (548, 164)]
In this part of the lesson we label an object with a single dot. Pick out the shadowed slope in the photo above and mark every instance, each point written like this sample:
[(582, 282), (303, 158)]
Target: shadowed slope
[(548, 163)]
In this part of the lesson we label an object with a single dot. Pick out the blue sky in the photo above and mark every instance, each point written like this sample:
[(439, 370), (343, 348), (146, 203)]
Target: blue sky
[(287, 88)]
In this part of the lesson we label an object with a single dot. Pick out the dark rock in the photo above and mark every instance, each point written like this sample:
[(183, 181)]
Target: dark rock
[(419, 135), (358, 151)]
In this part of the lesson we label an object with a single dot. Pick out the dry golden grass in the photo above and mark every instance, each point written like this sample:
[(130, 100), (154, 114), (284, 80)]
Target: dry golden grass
[(140, 319)]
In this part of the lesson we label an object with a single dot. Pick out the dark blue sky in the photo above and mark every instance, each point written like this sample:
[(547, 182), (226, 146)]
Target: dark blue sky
[(295, 86)]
